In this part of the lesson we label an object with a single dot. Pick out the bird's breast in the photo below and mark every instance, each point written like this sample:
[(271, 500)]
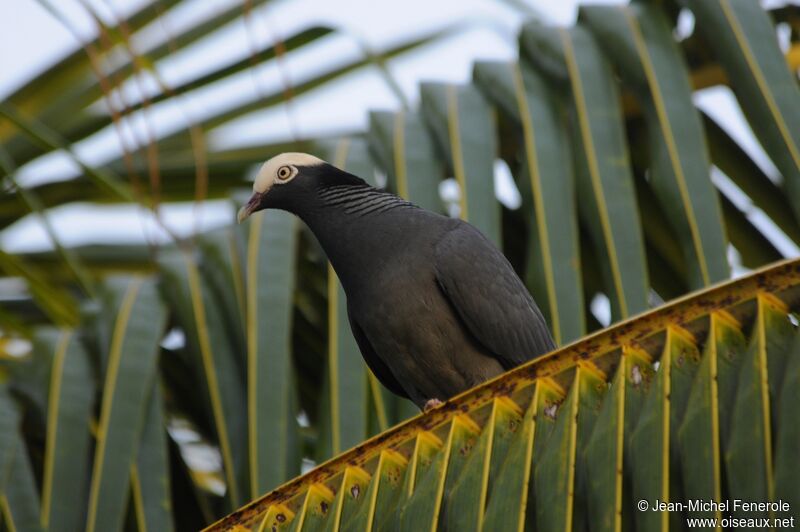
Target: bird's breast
[(414, 329)]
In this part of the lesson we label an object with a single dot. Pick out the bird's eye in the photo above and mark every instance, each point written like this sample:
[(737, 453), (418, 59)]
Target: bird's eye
[(284, 172)]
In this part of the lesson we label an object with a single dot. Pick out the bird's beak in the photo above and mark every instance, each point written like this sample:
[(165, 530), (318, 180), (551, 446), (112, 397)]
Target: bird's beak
[(252, 205)]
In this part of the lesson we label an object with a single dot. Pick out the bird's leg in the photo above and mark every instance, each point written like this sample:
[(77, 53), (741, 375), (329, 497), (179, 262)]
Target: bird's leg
[(431, 404)]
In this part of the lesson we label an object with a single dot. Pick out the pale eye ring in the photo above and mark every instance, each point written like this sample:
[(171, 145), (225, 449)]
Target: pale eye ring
[(284, 173)]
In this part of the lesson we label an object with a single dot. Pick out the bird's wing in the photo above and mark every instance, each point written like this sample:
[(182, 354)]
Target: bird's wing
[(378, 366), (489, 298)]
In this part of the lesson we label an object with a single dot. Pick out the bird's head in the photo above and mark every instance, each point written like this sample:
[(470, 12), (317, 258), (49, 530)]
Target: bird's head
[(281, 180)]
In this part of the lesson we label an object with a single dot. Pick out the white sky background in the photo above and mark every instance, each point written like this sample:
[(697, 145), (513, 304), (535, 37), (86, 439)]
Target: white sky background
[(31, 39)]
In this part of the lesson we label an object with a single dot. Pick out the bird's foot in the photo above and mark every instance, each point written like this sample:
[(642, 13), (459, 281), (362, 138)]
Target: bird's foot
[(431, 404)]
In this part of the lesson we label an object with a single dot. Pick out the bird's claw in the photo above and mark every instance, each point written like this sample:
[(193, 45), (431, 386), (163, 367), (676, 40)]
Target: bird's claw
[(431, 404)]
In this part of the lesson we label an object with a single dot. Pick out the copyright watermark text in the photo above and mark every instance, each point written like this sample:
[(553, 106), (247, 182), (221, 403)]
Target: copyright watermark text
[(740, 508)]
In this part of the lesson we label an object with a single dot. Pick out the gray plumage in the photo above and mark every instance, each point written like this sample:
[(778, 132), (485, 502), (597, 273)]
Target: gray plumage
[(434, 306)]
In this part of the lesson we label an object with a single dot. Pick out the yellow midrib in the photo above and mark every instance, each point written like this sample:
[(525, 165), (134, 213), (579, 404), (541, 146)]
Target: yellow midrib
[(52, 424), (198, 309), (594, 171), (373, 499), (380, 407), (340, 160), (536, 186), (399, 141), (238, 282), (412, 472), (333, 357), (669, 139), (115, 357), (138, 503), (618, 456), (6, 511), (252, 346), (487, 459), (666, 367), (762, 83), (526, 475), (455, 147), (437, 507), (764, 384), (573, 448), (715, 443)]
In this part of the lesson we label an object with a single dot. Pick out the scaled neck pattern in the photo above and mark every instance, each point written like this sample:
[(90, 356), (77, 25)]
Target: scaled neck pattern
[(357, 225), (361, 200)]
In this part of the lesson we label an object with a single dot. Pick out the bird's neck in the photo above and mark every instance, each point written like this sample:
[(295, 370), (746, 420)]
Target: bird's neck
[(356, 224)]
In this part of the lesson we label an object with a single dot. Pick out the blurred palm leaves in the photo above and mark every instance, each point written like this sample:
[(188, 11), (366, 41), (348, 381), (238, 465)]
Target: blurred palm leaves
[(214, 367)]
